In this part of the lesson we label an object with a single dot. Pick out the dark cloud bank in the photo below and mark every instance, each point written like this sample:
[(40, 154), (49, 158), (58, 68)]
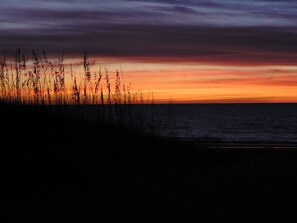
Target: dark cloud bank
[(145, 33), (237, 45)]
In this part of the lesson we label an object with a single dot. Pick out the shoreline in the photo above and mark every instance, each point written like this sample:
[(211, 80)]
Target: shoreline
[(241, 144)]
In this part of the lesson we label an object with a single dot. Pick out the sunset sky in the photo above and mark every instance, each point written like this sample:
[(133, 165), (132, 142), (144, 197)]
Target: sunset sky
[(185, 51)]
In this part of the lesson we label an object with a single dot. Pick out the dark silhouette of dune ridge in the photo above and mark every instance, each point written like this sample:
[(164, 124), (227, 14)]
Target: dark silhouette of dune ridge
[(56, 168)]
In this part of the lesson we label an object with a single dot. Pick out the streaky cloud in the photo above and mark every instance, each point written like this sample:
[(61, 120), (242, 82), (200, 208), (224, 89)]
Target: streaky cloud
[(214, 31), (253, 45)]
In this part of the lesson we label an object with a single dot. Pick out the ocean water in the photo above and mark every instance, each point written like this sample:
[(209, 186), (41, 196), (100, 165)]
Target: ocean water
[(223, 122), (233, 122)]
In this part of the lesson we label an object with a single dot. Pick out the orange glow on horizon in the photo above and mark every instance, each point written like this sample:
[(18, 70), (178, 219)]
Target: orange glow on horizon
[(216, 84), (194, 83), (205, 83)]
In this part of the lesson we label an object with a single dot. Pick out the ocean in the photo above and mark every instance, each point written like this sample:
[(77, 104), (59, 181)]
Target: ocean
[(233, 122), (223, 122)]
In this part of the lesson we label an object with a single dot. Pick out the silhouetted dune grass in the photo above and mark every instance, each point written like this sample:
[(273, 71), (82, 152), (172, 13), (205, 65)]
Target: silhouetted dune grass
[(36, 80), (56, 168)]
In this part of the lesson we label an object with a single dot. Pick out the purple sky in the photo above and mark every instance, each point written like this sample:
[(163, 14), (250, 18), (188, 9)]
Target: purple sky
[(227, 31)]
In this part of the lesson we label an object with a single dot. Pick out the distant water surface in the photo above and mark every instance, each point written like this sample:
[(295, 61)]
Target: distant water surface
[(227, 122), (235, 122)]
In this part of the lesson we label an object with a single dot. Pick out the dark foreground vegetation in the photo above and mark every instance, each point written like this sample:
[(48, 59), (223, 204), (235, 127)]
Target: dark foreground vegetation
[(60, 169)]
